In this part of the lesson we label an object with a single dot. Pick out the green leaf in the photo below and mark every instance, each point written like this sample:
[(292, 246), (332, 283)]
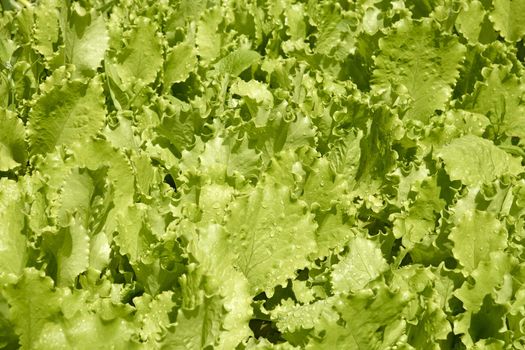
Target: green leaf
[(86, 41), (74, 198), (71, 249), (320, 189), (253, 89), (180, 62), (509, 18), (121, 135), (237, 61), (380, 322), (300, 132), (481, 330), (47, 29), (487, 277), (8, 337), (262, 174), (222, 158), (377, 157), (153, 315), (134, 236), (33, 302), (13, 249), (213, 202), (271, 235), (363, 264), (475, 236), (13, 149), (407, 181), (99, 153), (333, 233), (420, 65), (141, 58), (208, 39), (295, 22), (66, 114), (334, 31), (500, 97), (473, 23), (416, 225), (178, 130), (213, 251), (196, 329), (292, 317), (475, 161), (99, 251), (432, 327), (7, 47), (87, 321), (257, 97)]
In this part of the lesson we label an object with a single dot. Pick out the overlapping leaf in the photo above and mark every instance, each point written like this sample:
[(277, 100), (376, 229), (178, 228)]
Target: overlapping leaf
[(261, 174)]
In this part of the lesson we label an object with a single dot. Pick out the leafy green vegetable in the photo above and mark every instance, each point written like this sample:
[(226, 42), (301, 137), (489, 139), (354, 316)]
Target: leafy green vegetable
[(420, 65), (67, 113), (474, 160), (271, 235), (270, 174), (13, 152), (508, 17)]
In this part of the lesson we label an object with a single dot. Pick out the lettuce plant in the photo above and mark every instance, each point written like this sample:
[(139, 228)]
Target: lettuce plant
[(262, 174)]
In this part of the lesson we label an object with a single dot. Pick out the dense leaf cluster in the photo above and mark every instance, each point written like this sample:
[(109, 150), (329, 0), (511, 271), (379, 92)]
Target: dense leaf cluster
[(262, 174)]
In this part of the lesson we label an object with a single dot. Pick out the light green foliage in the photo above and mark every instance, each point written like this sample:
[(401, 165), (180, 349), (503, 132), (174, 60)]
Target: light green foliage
[(489, 278), (197, 328), (363, 264), (509, 18), (68, 113), (72, 252), (213, 249), (475, 236), (141, 58), (13, 248), (500, 97), (32, 303), (471, 19), (419, 64), (208, 38), (85, 40), (262, 174), (13, 150), (375, 309), (415, 225), (47, 28), (237, 61), (271, 235), (475, 161), (180, 62)]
